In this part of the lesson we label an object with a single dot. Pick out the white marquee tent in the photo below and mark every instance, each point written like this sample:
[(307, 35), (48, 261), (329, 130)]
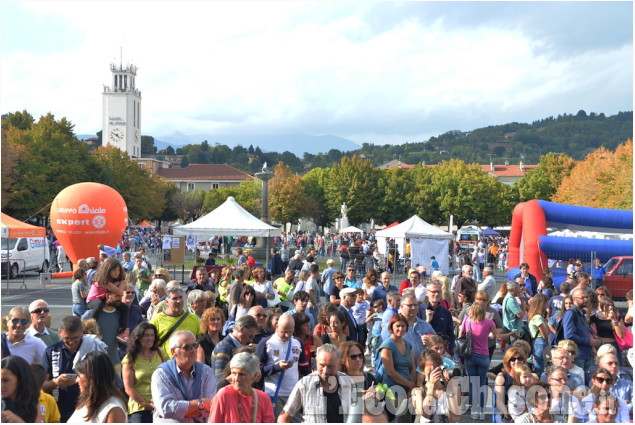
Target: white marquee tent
[(229, 219), (426, 240), (351, 229)]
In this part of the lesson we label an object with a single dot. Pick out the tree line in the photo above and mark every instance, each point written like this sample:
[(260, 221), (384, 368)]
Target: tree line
[(41, 158)]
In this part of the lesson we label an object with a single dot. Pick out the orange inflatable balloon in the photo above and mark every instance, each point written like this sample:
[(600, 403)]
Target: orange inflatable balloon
[(86, 215)]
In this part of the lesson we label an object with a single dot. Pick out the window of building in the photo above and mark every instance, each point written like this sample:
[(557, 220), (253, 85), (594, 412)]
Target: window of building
[(190, 187), (214, 185)]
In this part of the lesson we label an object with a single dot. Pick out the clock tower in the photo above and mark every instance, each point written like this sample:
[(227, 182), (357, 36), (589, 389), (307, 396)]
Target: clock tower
[(122, 111)]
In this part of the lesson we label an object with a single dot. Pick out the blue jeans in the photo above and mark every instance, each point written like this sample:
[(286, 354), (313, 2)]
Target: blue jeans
[(477, 365), (78, 310), (539, 362), (140, 417)]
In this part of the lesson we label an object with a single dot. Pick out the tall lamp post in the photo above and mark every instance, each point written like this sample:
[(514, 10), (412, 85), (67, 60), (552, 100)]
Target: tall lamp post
[(265, 176)]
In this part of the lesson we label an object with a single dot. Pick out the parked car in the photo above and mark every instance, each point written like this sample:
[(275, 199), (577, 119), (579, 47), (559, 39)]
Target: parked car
[(24, 254), (619, 276)]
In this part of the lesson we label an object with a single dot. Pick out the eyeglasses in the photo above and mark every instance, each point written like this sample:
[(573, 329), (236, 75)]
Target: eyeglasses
[(130, 292), (261, 315), (516, 359), (189, 347), (434, 292), (356, 356), (40, 310), (602, 380), (410, 305), (158, 275), (17, 321), (561, 380), (338, 278), (601, 294), (573, 353)]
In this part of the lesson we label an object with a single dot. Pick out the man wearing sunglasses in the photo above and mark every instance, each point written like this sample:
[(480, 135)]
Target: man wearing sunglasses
[(39, 310), (18, 342), (564, 405), (182, 388)]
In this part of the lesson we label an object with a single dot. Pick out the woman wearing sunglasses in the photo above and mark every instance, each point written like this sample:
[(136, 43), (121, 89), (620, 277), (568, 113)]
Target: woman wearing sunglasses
[(601, 382), (513, 358), (352, 364), (539, 406), (16, 341)]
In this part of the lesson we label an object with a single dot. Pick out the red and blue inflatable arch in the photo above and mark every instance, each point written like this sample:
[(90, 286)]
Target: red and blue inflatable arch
[(529, 243)]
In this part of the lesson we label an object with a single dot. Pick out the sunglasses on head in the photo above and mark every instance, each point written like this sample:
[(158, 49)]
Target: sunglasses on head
[(40, 310), (17, 321)]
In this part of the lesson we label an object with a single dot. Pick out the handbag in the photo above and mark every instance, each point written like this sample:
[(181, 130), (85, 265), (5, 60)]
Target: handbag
[(625, 342), (465, 345)]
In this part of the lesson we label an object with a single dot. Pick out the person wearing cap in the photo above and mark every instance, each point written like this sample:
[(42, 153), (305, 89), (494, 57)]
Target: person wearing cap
[(39, 310), (348, 297), (251, 261)]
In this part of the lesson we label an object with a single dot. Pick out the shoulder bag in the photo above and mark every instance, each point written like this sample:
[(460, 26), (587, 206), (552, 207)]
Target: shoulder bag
[(465, 345)]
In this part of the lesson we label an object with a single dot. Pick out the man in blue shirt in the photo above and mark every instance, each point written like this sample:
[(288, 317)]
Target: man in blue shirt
[(597, 273), (380, 292), (351, 281), (576, 328), (393, 301), (622, 386), (530, 280), (435, 314), (417, 328)]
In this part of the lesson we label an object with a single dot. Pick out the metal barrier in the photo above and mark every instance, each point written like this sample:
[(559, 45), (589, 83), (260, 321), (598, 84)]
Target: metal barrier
[(8, 268)]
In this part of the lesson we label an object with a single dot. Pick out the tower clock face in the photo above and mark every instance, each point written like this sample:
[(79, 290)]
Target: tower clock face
[(116, 135)]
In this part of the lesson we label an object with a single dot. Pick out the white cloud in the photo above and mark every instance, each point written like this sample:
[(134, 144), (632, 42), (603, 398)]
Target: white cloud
[(253, 67)]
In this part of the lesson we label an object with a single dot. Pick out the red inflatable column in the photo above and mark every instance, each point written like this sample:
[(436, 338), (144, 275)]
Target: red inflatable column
[(534, 226), (515, 236)]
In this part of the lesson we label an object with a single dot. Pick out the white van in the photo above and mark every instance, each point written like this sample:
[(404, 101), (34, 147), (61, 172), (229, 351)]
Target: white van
[(24, 254)]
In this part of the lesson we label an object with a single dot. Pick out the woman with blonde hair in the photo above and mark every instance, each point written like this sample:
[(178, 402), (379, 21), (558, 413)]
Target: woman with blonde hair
[(162, 273), (479, 327), (446, 291)]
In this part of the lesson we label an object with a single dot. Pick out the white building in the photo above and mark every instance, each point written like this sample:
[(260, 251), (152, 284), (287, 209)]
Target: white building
[(121, 126)]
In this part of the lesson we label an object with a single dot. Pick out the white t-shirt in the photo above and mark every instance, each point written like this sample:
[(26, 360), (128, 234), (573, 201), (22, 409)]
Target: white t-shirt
[(112, 403), (264, 288), (277, 351), (420, 292), (310, 285)]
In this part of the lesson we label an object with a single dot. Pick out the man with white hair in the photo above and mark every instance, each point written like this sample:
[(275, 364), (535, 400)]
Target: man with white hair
[(489, 283), (154, 295), (622, 386), (182, 388), (39, 310), (465, 281), (324, 395)]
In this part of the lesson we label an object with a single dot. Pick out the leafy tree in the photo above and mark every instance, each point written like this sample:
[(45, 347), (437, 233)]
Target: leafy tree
[(144, 196), (396, 202), (147, 145), (9, 164), (543, 181), (215, 197), (172, 197), (169, 150), (49, 158), (20, 120), (467, 193), (315, 208), (249, 195), (603, 180), (190, 205), (286, 195), (353, 181)]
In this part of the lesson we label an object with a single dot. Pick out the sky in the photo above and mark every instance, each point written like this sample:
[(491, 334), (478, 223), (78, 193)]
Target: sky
[(372, 72)]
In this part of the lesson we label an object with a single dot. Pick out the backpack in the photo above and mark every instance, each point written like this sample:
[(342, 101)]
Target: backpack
[(380, 371)]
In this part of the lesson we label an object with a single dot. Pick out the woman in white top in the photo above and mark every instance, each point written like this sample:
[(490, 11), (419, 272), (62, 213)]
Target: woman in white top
[(100, 401), (264, 288), (602, 381), (435, 397)]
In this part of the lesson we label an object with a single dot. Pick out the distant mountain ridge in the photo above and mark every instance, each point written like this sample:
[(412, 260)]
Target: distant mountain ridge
[(297, 143)]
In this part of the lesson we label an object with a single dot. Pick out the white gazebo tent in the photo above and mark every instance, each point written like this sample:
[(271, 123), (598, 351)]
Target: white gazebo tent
[(426, 240), (229, 219), (351, 229)]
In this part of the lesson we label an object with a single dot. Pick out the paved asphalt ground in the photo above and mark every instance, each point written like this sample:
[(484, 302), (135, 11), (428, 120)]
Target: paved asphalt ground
[(58, 294)]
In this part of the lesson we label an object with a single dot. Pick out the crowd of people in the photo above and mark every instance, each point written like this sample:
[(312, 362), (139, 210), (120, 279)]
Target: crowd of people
[(301, 344)]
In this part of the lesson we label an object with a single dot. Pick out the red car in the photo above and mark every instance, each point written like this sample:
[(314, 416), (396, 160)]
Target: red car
[(619, 276)]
